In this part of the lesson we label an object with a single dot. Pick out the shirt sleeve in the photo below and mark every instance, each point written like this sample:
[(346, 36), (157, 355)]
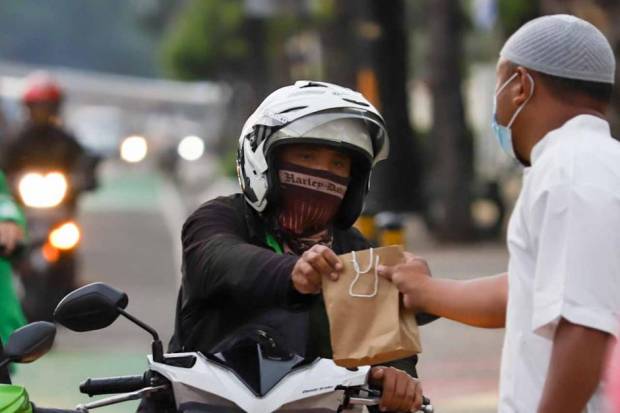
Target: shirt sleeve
[(576, 236)]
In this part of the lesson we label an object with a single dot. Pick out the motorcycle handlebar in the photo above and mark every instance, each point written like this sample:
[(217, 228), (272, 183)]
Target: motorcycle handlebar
[(372, 397), (44, 410), (113, 385)]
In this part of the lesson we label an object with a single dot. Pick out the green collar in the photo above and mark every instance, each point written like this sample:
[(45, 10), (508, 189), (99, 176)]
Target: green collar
[(273, 243)]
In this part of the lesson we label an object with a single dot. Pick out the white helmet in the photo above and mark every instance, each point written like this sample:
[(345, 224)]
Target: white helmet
[(311, 112)]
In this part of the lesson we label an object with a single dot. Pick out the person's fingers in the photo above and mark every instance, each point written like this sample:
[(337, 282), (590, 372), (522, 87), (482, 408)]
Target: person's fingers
[(402, 402), (309, 273), (418, 396), (406, 401), (388, 389), (305, 279), (419, 264), (10, 241), (5, 236), (385, 272), (405, 274), (409, 400), (319, 263), (402, 277), (408, 302), (19, 234), (300, 283), (306, 269), (376, 375), (10, 235), (330, 256)]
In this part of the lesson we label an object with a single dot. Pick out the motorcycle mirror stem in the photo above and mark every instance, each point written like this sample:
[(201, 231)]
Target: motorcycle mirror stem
[(4, 361), (157, 348)]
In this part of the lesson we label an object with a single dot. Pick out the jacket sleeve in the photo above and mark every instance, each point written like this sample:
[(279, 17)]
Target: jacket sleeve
[(9, 210), (220, 264)]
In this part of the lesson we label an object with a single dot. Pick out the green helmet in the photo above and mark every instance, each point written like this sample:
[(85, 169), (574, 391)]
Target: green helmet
[(14, 399)]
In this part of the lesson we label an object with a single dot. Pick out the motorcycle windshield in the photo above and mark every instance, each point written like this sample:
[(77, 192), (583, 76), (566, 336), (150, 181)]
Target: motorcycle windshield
[(259, 362)]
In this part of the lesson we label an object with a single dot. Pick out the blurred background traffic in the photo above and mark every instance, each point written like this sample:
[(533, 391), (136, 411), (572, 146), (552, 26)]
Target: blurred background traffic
[(156, 93)]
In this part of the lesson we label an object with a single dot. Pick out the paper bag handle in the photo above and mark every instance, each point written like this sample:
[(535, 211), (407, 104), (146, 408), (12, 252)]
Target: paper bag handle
[(359, 272)]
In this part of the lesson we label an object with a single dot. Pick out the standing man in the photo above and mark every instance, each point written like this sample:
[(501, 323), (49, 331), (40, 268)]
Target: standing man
[(560, 299)]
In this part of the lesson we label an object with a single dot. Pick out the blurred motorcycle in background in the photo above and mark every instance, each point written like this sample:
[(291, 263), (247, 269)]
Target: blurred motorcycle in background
[(49, 268)]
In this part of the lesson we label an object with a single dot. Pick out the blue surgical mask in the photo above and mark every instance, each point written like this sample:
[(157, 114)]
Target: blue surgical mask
[(504, 133)]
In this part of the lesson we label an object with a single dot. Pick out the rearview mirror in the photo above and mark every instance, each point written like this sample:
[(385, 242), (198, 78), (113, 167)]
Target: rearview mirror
[(92, 307), (30, 342)]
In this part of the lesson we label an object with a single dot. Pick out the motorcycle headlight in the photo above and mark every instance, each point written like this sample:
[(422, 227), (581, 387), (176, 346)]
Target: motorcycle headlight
[(134, 149), (65, 237), (191, 148), (42, 190)]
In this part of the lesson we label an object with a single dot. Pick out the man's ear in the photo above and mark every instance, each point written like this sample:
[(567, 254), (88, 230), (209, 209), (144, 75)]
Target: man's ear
[(522, 87)]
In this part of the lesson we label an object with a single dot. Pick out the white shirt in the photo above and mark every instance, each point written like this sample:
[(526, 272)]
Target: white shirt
[(564, 244)]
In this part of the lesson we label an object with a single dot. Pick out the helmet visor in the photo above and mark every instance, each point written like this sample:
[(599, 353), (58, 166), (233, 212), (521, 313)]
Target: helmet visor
[(345, 129)]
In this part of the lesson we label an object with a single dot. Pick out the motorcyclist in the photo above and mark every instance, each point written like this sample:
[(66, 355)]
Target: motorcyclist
[(43, 147), (12, 229), (254, 261), (43, 143)]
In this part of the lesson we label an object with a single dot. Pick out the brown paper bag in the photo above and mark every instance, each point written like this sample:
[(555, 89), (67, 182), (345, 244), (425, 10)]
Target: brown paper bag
[(367, 322)]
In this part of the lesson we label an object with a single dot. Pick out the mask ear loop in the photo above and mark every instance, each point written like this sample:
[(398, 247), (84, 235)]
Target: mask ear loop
[(502, 87), (359, 272), (524, 103)]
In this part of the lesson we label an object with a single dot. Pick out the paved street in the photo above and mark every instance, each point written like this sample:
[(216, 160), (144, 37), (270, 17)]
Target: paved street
[(130, 239), (460, 365)]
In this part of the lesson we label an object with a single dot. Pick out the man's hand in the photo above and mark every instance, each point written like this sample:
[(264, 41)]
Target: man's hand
[(400, 391), (411, 278), (312, 266), (479, 302), (10, 235)]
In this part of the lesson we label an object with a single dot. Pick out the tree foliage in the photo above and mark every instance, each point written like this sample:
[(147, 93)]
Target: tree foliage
[(513, 14), (206, 40), (97, 35)]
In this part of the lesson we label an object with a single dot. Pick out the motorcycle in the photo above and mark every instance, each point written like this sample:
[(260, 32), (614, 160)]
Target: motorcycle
[(25, 345), (48, 269), (256, 375)]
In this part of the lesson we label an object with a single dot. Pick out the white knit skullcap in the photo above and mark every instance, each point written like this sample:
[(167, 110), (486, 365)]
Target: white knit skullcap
[(564, 46)]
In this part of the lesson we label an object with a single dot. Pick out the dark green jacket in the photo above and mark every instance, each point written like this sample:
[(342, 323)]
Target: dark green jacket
[(11, 315)]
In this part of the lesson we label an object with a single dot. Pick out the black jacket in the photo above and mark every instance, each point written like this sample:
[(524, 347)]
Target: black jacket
[(41, 147), (233, 281)]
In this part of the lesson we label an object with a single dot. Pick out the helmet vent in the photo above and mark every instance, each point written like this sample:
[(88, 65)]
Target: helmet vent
[(312, 84), (357, 102), (292, 109)]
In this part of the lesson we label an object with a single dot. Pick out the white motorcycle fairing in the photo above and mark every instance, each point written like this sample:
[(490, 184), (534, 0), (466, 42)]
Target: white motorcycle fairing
[(307, 388)]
